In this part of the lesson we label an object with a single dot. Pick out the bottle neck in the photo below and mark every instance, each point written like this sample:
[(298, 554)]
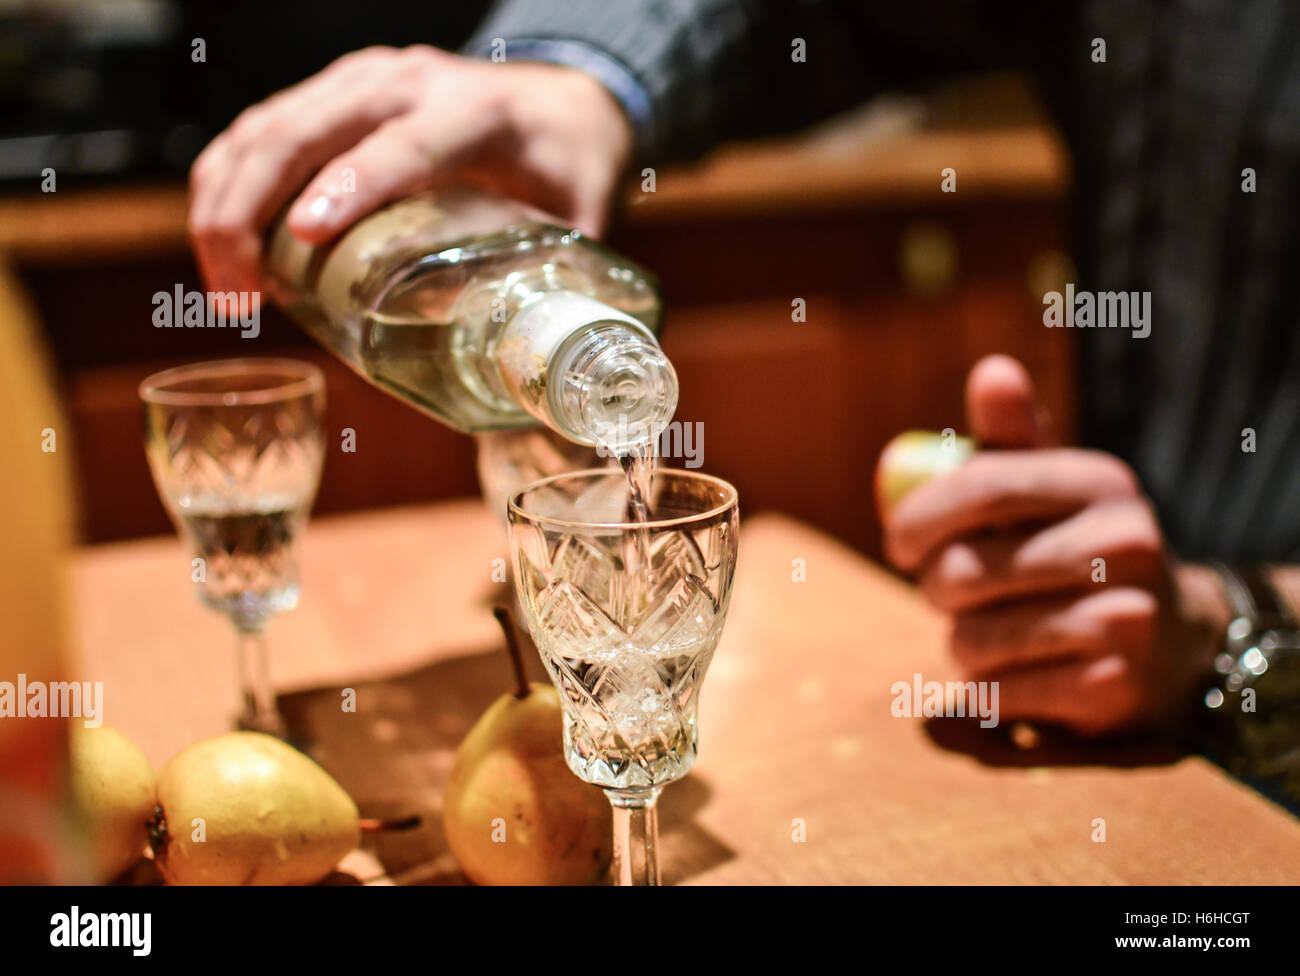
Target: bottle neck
[(590, 372)]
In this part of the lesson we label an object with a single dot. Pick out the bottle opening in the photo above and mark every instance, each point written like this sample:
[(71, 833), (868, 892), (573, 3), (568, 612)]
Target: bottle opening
[(612, 386)]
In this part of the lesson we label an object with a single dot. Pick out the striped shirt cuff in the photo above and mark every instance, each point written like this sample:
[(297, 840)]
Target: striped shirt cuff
[(617, 79)]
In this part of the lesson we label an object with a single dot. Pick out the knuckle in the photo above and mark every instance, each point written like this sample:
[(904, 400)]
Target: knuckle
[(202, 161), (500, 101), (421, 66), (1110, 686), (402, 127), (1131, 618), (196, 227), (224, 232), (203, 167), (396, 135), (365, 56), (292, 133), (201, 226), (250, 124), (1138, 540), (957, 565), (198, 176), (948, 590), (422, 54), (1115, 476), (988, 485)]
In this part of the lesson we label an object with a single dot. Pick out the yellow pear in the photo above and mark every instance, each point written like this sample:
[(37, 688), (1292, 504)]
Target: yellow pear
[(245, 808), (113, 788), (913, 458), (513, 811)]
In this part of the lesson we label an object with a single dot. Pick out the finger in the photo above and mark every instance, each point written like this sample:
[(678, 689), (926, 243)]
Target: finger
[(592, 203), (285, 136), (988, 641), (265, 178), (1002, 406), (264, 167), (591, 219), (207, 177), (998, 489), (401, 157), (1116, 542), (1090, 696)]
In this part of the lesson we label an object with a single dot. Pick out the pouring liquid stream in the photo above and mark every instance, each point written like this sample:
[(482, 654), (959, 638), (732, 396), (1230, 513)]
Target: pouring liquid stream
[(638, 465)]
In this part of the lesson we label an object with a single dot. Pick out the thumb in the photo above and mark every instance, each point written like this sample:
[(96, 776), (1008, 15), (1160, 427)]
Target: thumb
[(1002, 406)]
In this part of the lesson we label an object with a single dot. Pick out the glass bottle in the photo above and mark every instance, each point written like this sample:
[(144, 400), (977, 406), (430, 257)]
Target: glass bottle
[(488, 316)]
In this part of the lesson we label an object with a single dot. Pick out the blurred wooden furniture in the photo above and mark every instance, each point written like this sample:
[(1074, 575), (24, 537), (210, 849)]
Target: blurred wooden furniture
[(804, 775), (903, 286)]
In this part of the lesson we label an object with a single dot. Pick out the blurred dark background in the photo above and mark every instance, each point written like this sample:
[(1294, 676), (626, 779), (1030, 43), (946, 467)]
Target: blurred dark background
[(905, 286), (110, 89)]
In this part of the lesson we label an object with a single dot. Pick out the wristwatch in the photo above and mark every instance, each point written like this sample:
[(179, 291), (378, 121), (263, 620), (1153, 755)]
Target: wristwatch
[(1258, 693)]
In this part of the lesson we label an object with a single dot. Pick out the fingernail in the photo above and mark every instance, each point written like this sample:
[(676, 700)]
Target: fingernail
[(320, 207), (316, 211)]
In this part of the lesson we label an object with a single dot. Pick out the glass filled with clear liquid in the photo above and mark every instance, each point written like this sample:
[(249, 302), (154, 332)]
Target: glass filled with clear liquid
[(624, 581), (235, 448)]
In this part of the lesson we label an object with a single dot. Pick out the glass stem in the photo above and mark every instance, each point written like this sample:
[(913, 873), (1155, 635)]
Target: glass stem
[(636, 835), (260, 713)]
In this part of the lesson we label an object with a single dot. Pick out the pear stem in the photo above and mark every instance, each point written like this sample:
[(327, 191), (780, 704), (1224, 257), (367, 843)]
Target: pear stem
[(156, 827), (508, 627), (372, 825)]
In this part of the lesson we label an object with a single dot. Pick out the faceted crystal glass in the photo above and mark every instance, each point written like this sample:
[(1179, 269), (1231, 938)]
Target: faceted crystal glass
[(235, 448), (626, 615)]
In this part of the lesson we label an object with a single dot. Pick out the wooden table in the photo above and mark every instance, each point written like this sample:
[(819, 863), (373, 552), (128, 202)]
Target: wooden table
[(795, 728)]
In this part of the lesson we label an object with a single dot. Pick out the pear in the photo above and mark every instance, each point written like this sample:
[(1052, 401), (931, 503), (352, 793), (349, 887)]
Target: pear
[(513, 811), (913, 458), (245, 808), (113, 789)]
